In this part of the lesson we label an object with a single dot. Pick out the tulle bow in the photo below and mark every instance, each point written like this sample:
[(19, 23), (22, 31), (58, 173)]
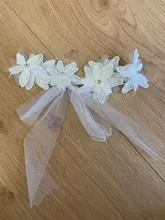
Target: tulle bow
[(46, 114)]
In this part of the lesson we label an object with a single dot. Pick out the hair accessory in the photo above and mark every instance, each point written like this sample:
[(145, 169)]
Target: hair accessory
[(88, 96)]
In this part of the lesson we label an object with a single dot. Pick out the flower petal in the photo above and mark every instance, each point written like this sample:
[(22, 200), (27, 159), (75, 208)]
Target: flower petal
[(109, 66), (42, 82), (52, 71), (60, 66), (66, 81), (55, 80), (16, 69), (127, 71), (115, 81), (115, 62), (106, 74), (140, 66), (92, 64), (24, 77), (38, 70), (96, 72), (96, 91), (88, 71), (143, 81), (135, 82), (128, 86), (144, 85), (35, 59), (31, 55), (30, 82), (72, 65), (102, 97), (41, 60), (106, 62), (134, 57), (49, 63), (20, 59), (70, 71), (106, 88), (142, 78)]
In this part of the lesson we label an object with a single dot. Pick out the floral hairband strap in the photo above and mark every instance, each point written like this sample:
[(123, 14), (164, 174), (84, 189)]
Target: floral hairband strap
[(88, 96)]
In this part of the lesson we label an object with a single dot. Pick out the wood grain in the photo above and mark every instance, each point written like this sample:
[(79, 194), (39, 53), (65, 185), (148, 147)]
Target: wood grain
[(99, 181)]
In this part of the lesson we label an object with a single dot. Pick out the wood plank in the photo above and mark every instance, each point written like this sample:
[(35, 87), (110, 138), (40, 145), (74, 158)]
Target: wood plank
[(97, 180)]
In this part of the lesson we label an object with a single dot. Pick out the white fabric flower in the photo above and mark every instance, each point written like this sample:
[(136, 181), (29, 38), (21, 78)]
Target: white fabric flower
[(29, 70), (43, 79), (62, 76), (132, 72), (100, 78)]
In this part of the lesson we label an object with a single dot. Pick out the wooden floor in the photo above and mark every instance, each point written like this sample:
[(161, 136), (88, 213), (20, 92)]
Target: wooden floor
[(98, 181)]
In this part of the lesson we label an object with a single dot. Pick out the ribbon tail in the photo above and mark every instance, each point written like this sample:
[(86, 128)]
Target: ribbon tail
[(132, 130), (38, 146), (30, 111), (95, 125)]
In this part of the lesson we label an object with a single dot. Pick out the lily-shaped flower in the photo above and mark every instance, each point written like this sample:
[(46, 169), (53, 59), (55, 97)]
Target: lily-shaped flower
[(132, 72), (62, 76), (28, 69), (43, 79), (100, 78)]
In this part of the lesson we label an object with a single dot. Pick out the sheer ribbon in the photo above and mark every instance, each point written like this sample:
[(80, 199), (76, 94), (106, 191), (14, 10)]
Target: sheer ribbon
[(46, 113)]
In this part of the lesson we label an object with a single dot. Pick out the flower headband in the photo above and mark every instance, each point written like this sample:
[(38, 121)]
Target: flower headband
[(88, 96)]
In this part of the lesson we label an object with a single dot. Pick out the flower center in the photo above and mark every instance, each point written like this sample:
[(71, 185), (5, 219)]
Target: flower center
[(26, 65), (98, 81)]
